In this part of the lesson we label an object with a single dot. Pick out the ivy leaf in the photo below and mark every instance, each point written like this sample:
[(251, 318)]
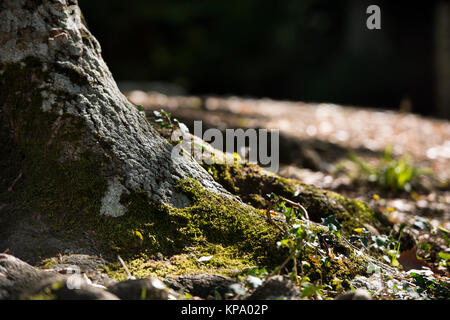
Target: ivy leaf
[(332, 223), (421, 223), (444, 256)]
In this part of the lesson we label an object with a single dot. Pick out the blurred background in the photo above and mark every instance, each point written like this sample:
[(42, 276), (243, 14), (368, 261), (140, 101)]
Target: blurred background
[(303, 50)]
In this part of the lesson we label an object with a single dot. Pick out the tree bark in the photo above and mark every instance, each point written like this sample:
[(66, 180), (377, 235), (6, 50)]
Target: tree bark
[(59, 102)]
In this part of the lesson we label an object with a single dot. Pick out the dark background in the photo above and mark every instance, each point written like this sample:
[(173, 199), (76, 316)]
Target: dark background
[(307, 50)]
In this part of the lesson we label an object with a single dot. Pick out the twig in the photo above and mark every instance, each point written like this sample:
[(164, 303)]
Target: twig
[(293, 253), (270, 220), (15, 181), (298, 205), (125, 268)]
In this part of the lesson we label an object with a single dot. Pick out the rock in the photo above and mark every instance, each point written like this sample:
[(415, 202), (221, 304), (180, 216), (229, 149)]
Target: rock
[(274, 288), (19, 280), (143, 289), (86, 264), (202, 285), (373, 283), (6, 288), (358, 294), (74, 287), (17, 276)]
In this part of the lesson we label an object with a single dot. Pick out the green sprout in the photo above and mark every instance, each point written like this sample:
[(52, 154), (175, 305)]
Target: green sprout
[(391, 174)]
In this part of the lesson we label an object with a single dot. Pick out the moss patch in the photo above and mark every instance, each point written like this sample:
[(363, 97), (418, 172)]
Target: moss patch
[(252, 184), (61, 175), (236, 236)]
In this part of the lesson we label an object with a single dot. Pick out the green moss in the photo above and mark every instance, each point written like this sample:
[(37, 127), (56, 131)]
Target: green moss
[(61, 178), (237, 236), (252, 184), (48, 293), (226, 261), (249, 182), (344, 268)]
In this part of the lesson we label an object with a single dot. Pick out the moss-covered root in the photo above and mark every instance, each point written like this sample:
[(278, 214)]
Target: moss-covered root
[(252, 184), (156, 239), (215, 235)]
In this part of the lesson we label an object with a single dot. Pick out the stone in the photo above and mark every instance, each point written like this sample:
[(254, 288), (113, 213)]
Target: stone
[(202, 285), (17, 276), (143, 289), (276, 287), (62, 287), (358, 294), (19, 280)]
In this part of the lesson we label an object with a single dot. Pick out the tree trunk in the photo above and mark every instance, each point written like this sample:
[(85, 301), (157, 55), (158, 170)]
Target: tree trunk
[(82, 170), (54, 79), (72, 144)]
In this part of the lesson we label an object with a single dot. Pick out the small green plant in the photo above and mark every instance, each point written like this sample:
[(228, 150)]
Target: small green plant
[(444, 259), (445, 235), (388, 246), (297, 233), (362, 237), (430, 286), (333, 225), (144, 294), (165, 120), (391, 174), (310, 289), (257, 272)]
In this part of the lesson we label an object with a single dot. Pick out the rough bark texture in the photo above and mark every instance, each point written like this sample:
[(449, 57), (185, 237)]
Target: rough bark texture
[(47, 45)]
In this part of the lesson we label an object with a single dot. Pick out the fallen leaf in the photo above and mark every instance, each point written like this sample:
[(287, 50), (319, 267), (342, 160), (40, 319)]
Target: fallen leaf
[(408, 259)]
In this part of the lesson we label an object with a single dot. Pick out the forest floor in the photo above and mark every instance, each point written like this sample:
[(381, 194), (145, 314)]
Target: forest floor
[(398, 163), (395, 161), (316, 140)]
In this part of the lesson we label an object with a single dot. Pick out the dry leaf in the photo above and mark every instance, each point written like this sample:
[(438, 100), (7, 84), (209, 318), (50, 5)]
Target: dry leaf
[(408, 259)]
